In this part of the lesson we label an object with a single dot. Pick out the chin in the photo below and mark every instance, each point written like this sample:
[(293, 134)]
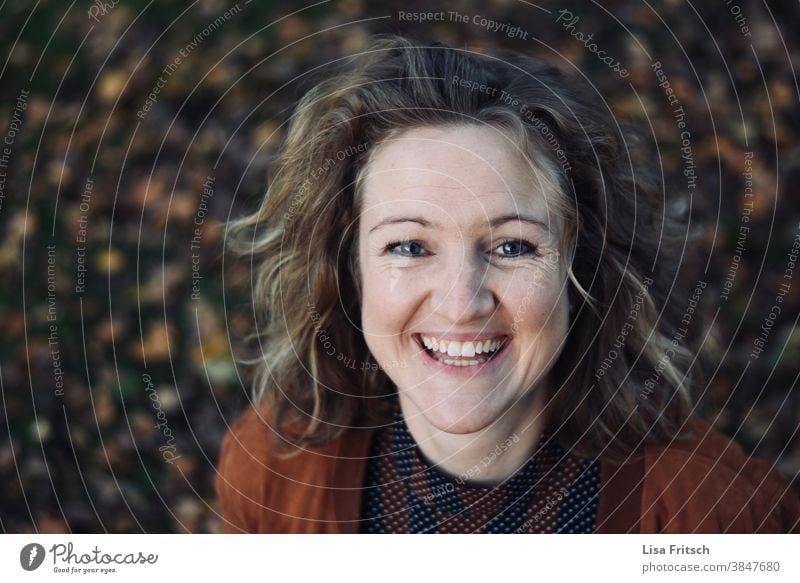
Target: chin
[(458, 415)]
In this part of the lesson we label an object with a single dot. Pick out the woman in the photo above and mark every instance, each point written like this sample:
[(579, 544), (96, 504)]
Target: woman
[(465, 265)]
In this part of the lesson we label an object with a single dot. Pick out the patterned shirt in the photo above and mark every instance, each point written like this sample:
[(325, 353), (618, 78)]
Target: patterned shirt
[(554, 492)]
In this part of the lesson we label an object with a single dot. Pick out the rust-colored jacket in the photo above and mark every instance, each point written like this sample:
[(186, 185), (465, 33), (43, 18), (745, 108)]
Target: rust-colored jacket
[(705, 484)]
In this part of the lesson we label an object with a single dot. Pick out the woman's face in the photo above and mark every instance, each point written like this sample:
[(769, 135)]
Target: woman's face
[(459, 262)]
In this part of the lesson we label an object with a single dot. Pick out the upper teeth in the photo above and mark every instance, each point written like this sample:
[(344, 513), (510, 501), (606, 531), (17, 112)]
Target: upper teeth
[(455, 348)]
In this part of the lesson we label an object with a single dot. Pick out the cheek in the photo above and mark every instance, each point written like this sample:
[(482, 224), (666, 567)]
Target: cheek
[(386, 304), (537, 306)]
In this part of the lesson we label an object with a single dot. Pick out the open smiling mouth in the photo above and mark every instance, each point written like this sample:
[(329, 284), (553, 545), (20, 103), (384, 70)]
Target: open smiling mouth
[(488, 353)]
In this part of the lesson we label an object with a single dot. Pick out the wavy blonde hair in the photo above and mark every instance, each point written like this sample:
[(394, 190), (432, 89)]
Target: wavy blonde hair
[(315, 367)]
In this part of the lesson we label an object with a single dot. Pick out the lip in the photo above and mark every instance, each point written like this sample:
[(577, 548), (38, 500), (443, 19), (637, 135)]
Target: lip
[(463, 371)]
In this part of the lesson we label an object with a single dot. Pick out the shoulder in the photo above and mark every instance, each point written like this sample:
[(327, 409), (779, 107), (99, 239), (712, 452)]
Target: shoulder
[(705, 482), (260, 490), (244, 459)]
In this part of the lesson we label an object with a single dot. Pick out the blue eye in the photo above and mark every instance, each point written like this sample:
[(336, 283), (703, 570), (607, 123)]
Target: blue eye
[(515, 248), (411, 247)]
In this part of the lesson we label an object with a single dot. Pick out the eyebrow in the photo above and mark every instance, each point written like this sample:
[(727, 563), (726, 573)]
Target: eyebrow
[(495, 222)]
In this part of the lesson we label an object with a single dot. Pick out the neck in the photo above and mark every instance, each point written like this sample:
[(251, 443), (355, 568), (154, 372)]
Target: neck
[(486, 457)]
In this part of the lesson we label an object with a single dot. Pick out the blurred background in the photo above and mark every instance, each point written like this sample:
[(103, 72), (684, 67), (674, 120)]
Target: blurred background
[(131, 131)]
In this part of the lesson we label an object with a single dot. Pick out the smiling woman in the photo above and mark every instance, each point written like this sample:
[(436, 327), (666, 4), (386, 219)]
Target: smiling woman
[(491, 271)]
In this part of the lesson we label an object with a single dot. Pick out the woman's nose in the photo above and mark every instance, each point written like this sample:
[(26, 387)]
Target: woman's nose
[(462, 293)]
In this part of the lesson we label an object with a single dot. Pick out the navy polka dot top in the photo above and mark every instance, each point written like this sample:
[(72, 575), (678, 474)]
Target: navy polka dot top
[(553, 492)]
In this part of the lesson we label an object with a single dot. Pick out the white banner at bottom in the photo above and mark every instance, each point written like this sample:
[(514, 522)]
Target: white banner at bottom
[(400, 558)]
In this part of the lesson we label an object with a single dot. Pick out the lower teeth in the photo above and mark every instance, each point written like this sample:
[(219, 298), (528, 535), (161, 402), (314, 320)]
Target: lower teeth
[(463, 362)]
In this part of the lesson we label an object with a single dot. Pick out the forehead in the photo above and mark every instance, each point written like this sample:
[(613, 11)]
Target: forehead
[(465, 173)]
